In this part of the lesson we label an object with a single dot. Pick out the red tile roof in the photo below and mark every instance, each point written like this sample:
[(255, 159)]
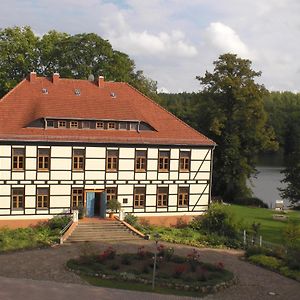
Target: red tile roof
[(26, 103)]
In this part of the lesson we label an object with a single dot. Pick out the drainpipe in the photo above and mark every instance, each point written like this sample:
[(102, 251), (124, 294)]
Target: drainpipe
[(138, 127), (45, 123)]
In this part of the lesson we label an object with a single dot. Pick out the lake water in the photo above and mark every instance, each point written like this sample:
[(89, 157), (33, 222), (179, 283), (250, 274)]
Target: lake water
[(265, 185)]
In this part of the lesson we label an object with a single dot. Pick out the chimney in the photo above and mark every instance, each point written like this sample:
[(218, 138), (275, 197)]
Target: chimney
[(101, 81), (32, 76), (55, 78)]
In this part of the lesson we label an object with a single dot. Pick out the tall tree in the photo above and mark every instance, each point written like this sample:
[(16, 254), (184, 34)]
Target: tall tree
[(73, 56), (236, 120)]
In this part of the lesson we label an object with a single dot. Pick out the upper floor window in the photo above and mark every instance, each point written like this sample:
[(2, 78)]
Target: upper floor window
[(164, 161), (73, 124), (43, 159), (42, 195), (18, 197), (111, 193), (162, 197), (139, 197), (86, 124), (111, 125), (184, 161), (183, 196), (50, 123), (62, 124), (112, 160), (77, 197), (100, 125), (18, 159), (78, 159), (140, 160)]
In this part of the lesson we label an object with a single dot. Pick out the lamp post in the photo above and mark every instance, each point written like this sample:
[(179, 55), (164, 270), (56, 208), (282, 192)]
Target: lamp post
[(156, 238)]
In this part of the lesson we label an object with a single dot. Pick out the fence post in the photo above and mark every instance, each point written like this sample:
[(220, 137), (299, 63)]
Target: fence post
[(260, 240), (245, 239)]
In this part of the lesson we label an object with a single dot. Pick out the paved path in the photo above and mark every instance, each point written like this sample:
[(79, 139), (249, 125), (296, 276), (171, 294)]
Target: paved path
[(48, 266)]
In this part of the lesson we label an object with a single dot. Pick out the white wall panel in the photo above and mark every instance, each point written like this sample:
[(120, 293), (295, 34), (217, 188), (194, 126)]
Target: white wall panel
[(59, 151), (61, 164), (174, 153), (126, 165), (151, 175), (126, 175), (111, 176), (30, 175), (31, 151), (140, 176), (30, 202), (5, 163), (43, 175), (126, 153), (95, 164), (78, 175), (152, 153), (18, 175), (95, 152), (61, 175), (4, 189), (60, 190), (174, 165), (5, 150), (94, 175), (200, 154), (5, 202), (30, 164), (152, 165)]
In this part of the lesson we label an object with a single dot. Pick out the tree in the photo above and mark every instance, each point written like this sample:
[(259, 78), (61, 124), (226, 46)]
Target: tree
[(73, 56), (234, 117), (292, 161)]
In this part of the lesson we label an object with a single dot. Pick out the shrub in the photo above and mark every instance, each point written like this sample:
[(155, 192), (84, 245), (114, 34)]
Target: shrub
[(59, 222), (179, 270), (126, 259), (109, 253), (292, 258), (218, 220), (113, 205), (131, 219), (169, 253), (193, 258), (291, 233), (270, 262), (81, 212), (181, 223), (250, 201), (115, 267)]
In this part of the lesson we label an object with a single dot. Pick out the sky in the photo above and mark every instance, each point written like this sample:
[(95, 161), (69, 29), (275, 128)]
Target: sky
[(173, 41)]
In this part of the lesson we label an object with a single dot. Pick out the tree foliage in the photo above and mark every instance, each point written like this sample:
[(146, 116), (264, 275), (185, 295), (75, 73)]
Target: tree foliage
[(73, 56), (236, 120)]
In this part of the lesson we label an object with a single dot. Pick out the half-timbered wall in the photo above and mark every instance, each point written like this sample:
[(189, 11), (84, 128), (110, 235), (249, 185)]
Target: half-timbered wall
[(60, 179)]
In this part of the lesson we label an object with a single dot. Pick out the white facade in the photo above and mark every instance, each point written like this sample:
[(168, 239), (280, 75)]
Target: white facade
[(60, 179)]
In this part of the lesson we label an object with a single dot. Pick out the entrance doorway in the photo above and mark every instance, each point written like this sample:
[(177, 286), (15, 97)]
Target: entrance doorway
[(95, 203)]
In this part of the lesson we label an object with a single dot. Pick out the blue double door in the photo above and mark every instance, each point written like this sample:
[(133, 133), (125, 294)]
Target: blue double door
[(95, 204)]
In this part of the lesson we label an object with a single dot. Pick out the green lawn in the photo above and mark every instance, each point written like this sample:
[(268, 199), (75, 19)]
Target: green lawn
[(271, 230)]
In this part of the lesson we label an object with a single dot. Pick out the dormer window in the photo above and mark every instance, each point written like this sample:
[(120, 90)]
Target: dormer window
[(73, 124), (44, 91), (62, 124), (77, 92), (100, 125), (50, 123), (111, 125)]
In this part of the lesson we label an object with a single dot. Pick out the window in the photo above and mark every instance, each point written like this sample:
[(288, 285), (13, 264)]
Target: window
[(62, 124), (112, 160), (18, 198), (139, 197), (183, 196), (100, 125), (133, 126), (140, 161), (18, 159), (163, 161), (50, 123), (162, 197), (42, 196), (78, 159), (111, 193), (77, 198), (85, 124), (184, 161), (43, 159), (111, 125), (123, 126), (73, 124)]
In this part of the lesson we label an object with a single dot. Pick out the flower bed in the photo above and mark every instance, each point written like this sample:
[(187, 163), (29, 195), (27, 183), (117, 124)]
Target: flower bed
[(172, 271)]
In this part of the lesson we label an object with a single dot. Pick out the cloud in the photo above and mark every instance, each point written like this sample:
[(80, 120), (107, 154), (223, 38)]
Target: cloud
[(225, 39), (144, 43)]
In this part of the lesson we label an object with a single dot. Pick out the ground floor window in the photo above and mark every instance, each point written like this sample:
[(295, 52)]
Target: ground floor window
[(139, 197), (42, 196), (18, 197), (77, 198), (162, 197), (111, 193), (183, 196)]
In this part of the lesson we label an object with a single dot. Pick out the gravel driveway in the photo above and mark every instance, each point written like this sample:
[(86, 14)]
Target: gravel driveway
[(49, 265)]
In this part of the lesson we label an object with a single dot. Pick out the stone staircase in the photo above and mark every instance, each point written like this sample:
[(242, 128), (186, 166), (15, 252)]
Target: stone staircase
[(101, 231)]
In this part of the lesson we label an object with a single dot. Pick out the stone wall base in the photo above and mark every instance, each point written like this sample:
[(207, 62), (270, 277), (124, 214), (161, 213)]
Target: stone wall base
[(166, 220), (20, 223)]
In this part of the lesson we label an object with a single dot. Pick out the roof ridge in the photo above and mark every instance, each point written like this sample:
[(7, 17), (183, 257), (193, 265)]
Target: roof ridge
[(152, 101), (12, 90)]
